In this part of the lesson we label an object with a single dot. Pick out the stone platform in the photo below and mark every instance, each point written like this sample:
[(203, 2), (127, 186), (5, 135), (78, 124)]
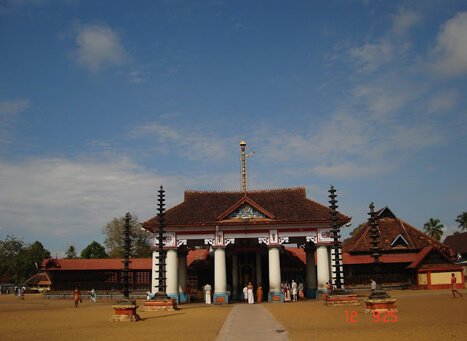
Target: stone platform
[(158, 305), (125, 313), (380, 305), (380, 301), (341, 299)]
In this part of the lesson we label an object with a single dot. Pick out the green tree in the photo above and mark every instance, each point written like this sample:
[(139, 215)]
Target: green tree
[(10, 249), (140, 238), (94, 250), (462, 221), (38, 253), (71, 253), (433, 228), (19, 260)]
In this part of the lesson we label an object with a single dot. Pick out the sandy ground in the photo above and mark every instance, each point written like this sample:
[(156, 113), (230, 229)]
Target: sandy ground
[(37, 318), (423, 315)]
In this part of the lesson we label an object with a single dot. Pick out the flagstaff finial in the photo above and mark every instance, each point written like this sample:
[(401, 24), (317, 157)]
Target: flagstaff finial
[(242, 147)]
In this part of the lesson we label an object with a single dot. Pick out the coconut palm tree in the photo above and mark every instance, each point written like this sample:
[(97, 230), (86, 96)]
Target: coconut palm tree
[(462, 220), (433, 228)]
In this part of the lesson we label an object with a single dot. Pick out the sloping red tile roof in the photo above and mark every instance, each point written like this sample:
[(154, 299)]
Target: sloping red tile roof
[(458, 242), (95, 264), (351, 259), (439, 267), (112, 263), (389, 228), (195, 255), (286, 205), (38, 279), (297, 252)]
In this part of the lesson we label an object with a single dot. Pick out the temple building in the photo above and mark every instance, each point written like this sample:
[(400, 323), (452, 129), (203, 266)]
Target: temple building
[(458, 243), (409, 258), (226, 239), (247, 232)]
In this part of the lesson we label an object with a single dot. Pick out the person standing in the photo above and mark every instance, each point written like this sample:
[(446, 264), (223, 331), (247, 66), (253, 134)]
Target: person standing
[(301, 294), (259, 294), (453, 286), (251, 298), (77, 297), (207, 293), (373, 285), (329, 288), (294, 291), (92, 296), (286, 292), (245, 293)]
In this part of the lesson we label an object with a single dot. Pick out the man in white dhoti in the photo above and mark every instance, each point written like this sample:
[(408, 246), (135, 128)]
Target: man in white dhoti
[(251, 298), (294, 291), (207, 293), (245, 293)]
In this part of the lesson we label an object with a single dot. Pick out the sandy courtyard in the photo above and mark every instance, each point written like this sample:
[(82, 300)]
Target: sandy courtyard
[(423, 315)]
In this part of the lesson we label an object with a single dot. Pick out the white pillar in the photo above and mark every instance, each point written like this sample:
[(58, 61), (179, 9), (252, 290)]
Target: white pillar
[(155, 275), (182, 276), (274, 270), (258, 269), (323, 266), (172, 274), (311, 283), (234, 276), (220, 276)]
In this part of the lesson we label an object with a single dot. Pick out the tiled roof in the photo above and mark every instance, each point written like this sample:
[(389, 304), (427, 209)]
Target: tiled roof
[(350, 259), (297, 252), (39, 279), (95, 264), (286, 205), (112, 263), (390, 227), (440, 267), (458, 242), (196, 255)]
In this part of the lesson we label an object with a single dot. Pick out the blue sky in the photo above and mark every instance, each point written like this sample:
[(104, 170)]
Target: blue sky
[(101, 102)]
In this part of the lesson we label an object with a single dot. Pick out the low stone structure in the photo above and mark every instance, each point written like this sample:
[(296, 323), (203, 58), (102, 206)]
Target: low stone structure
[(125, 312), (158, 305), (380, 301), (341, 299)]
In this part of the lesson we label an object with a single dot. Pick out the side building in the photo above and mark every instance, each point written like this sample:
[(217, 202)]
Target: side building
[(409, 258)]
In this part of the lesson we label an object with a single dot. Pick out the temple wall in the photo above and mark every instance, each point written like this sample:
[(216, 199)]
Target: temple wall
[(443, 278), (422, 279)]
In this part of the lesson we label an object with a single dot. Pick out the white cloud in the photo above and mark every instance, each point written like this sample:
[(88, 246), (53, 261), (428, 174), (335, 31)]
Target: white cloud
[(98, 47), (191, 144), (9, 109), (450, 52), (370, 56), (63, 202), (404, 20), (13, 107), (443, 101), (137, 77)]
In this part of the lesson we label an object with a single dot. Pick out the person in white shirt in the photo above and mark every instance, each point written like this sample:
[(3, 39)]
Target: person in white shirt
[(207, 293), (294, 291)]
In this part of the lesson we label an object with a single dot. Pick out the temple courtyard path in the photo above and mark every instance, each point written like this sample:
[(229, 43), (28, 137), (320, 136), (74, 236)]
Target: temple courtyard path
[(422, 315), (249, 322)]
